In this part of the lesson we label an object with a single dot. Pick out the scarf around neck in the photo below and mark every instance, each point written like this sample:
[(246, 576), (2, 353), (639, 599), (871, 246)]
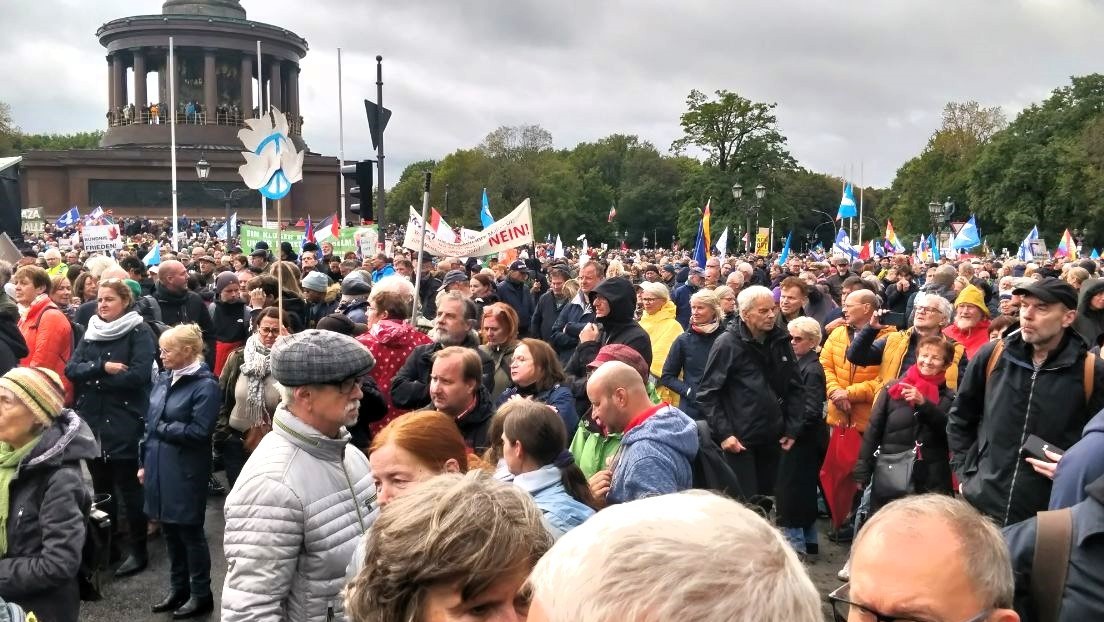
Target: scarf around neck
[(99, 330), (927, 385), (706, 329), (9, 464), (256, 367)]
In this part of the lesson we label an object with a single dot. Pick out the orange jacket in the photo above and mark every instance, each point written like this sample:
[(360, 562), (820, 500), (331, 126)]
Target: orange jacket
[(49, 339), (860, 382)]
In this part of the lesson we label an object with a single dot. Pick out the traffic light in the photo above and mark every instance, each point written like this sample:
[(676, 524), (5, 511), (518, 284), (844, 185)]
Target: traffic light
[(358, 181)]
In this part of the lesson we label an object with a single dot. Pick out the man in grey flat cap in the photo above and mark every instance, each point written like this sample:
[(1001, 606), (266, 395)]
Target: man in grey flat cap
[(304, 498)]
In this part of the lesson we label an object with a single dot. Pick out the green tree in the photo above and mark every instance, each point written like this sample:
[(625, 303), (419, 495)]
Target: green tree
[(736, 133), (8, 131)]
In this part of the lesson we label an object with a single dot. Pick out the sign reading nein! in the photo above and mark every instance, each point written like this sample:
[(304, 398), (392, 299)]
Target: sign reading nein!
[(511, 231)]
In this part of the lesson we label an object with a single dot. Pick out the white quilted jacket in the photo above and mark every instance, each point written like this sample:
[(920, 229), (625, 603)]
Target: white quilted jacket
[(292, 522)]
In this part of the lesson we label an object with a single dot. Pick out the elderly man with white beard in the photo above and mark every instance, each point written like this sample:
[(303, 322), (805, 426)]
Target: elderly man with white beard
[(303, 499), (457, 318)]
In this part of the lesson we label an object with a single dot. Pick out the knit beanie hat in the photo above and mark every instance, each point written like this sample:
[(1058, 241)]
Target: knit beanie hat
[(37, 387), (135, 288), (223, 280), (972, 295)]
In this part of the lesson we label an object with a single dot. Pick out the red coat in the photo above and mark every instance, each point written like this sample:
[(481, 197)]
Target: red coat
[(973, 340), (49, 339), (390, 343)]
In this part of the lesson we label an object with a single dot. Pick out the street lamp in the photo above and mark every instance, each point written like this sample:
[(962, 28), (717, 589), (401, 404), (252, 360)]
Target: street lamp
[(203, 171), (752, 210), (940, 214)]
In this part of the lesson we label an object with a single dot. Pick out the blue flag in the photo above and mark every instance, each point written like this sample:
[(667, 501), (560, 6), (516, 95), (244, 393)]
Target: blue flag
[(843, 244), (485, 213), (967, 237), (785, 249), (68, 219), (699, 246), (847, 207), (153, 258), (222, 231), (934, 246), (1095, 254), (1025, 253)]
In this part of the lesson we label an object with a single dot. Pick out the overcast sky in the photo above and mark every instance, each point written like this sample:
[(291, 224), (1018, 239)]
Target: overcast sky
[(856, 83)]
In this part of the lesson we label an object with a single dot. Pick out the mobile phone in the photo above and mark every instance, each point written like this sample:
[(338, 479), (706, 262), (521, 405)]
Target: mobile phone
[(892, 318), (1035, 447)]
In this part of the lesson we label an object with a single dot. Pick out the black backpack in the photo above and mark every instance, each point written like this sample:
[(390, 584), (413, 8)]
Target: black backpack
[(710, 469)]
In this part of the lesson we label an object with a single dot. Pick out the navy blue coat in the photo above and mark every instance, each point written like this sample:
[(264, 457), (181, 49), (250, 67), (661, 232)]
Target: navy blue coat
[(687, 357), (518, 296), (558, 397), (177, 448), (114, 406)]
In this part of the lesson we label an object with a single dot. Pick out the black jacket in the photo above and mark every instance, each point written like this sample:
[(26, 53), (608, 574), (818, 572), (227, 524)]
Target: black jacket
[(231, 321), (616, 327), (12, 345), (475, 425), (1089, 323), (895, 426), (115, 406), (897, 301), (991, 418), (686, 358), (518, 296), (544, 318), (46, 528), (1083, 597), (752, 390), (188, 308), (410, 386)]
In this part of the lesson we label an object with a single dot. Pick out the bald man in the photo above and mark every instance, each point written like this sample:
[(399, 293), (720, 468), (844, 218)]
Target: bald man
[(179, 305), (658, 443)]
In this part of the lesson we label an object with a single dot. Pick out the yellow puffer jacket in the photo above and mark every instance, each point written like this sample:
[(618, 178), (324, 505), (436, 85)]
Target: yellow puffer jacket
[(662, 329), (861, 382), (893, 357)]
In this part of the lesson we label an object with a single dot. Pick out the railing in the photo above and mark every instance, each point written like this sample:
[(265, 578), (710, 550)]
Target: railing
[(232, 117)]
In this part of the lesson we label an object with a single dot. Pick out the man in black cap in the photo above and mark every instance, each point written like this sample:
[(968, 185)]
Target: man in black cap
[(1044, 383), (304, 499), (512, 291)]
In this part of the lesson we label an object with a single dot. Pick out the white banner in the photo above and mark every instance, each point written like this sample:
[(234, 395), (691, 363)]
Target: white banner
[(511, 231), (101, 238)]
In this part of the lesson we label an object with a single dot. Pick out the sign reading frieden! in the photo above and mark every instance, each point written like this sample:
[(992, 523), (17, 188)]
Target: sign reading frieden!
[(511, 231)]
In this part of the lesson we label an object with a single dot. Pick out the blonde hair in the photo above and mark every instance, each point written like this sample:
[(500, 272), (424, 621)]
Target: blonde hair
[(289, 276), (808, 327), (186, 336), (570, 288), (659, 290), (633, 550)]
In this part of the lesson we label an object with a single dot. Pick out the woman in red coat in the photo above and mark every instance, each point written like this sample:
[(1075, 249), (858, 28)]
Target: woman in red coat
[(390, 340), (45, 328)]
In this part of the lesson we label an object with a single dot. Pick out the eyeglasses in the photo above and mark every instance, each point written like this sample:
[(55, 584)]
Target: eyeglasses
[(642, 299), (928, 310), (346, 386), (842, 608), (269, 331)]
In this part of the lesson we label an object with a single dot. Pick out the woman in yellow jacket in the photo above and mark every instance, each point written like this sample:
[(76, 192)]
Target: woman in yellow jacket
[(659, 322)]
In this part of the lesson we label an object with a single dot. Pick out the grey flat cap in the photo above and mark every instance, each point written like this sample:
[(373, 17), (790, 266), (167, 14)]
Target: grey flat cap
[(318, 357)]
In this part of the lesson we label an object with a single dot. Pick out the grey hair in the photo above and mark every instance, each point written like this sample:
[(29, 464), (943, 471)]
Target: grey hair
[(928, 299), (808, 327), (392, 283), (658, 559), (658, 290), (469, 530), (750, 295), (984, 552), (5, 271), (97, 264), (737, 276)]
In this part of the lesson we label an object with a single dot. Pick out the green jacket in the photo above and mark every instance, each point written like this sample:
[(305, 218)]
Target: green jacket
[(591, 450)]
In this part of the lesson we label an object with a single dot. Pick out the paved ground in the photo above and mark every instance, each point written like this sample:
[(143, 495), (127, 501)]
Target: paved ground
[(130, 598)]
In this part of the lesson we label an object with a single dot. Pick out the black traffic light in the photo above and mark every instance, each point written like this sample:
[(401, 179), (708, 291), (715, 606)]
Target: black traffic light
[(358, 181)]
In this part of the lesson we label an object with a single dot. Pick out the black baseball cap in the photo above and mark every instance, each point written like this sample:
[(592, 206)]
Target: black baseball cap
[(1050, 290)]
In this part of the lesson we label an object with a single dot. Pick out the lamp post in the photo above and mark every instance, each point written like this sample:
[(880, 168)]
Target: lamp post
[(737, 194), (760, 192), (203, 170), (644, 241), (753, 210), (940, 214)]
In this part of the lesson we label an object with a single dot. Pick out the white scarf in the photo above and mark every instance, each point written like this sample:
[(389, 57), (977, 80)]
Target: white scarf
[(256, 367), (100, 330)]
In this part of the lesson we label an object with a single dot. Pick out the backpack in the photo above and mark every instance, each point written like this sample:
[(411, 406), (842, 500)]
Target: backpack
[(710, 468), (95, 554), (1050, 564), (1089, 364)]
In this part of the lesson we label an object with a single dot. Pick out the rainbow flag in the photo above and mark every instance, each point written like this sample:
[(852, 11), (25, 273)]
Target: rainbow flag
[(1066, 247), (891, 238)]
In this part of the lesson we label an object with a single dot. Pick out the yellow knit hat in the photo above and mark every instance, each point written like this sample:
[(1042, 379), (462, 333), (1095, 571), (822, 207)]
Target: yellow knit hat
[(972, 295)]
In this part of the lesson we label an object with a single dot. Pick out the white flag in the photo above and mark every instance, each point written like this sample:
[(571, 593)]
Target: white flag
[(583, 256), (559, 252), (722, 243)]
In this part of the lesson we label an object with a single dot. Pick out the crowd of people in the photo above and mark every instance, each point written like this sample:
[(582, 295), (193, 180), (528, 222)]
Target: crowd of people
[(532, 438)]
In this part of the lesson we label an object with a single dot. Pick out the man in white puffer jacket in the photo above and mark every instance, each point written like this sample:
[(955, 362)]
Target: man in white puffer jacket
[(305, 497)]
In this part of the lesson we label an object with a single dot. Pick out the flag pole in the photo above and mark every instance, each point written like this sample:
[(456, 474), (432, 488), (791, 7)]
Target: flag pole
[(260, 109), (280, 276), (340, 138), (172, 136), (421, 251), (860, 202)]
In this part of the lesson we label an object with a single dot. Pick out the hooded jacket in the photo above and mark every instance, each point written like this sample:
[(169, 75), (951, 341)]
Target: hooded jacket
[(662, 329), (390, 343), (992, 417), (752, 390), (1089, 323), (1081, 465), (561, 511), (655, 457), (616, 327), (46, 528), (574, 315), (294, 517), (12, 345)]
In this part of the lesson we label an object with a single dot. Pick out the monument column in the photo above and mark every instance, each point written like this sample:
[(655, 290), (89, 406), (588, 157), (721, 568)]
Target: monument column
[(110, 84), (140, 98), (210, 82), (293, 90), (275, 85), (118, 72), (246, 86)]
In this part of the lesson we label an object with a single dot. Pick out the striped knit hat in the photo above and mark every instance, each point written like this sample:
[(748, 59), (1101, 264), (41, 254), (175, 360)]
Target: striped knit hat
[(37, 387)]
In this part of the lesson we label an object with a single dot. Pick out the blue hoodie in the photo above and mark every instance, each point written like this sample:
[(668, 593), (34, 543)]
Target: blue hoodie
[(654, 458), (561, 511), (1081, 465)]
